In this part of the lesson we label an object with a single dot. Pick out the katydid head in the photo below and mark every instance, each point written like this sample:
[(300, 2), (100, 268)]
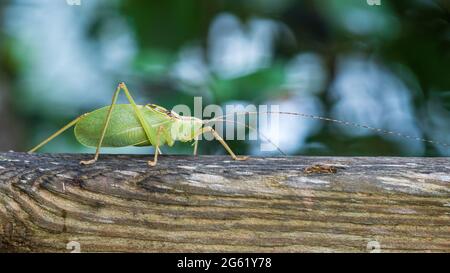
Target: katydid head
[(186, 128), (183, 128)]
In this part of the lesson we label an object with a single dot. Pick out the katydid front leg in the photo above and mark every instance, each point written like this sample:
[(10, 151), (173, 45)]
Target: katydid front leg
[(157, 151), (195, 147), (224, 144)]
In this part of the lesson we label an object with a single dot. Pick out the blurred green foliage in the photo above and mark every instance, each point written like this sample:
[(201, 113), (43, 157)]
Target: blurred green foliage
[(411, 39)]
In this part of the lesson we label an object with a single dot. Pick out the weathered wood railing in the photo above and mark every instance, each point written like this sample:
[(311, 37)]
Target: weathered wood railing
[(214, 204)]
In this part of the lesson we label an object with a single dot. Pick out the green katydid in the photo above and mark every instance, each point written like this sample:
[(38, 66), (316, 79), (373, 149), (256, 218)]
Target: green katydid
[(120, 125), (136, 125)]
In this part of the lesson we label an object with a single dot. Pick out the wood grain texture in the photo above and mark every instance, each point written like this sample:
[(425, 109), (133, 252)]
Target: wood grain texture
[(214, 204)]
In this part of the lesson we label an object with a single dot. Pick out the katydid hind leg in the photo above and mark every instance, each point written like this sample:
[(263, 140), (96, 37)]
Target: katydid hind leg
[(105, 127), (144, 124), (148, 132), (57, 133)]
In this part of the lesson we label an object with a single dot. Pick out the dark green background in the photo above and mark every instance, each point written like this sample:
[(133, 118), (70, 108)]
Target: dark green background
[(411, 42)]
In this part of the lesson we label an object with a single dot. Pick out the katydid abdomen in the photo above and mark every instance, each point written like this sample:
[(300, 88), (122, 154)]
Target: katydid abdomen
[(124, 128)]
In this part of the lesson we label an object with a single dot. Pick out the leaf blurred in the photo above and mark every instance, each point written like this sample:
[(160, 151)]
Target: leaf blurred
[(385, 66)]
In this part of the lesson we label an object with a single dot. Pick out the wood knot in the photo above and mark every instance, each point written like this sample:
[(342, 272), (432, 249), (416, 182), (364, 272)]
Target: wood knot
[(320, 169)]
